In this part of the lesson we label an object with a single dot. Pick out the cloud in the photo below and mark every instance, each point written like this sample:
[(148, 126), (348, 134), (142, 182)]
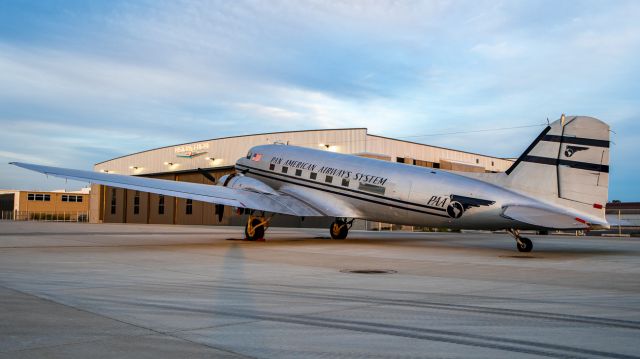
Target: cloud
[(94, 82)]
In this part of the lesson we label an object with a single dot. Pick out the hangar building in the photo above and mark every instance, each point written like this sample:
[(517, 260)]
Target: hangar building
[(218, 156)]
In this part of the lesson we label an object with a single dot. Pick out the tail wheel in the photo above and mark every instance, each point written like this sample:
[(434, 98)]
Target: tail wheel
[(339, 229), (254, 230), (524, 245)]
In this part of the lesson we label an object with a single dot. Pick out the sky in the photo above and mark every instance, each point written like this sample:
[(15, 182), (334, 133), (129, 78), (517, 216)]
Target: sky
[(85, 81)]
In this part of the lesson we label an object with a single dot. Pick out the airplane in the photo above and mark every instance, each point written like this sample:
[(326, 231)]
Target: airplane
[(560, 182)]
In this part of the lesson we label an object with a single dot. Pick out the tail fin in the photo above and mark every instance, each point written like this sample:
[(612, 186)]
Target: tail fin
[(567, 163)]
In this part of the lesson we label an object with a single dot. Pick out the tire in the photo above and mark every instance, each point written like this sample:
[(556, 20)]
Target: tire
[(338, 230), (525, 245), (258, 232)]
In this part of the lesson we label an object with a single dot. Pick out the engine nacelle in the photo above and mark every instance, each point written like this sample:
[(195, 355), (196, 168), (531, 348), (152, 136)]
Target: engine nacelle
[(240, 181)]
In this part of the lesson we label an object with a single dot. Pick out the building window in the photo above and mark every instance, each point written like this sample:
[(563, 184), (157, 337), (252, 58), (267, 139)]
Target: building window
[(436, 165), (477, 160), (272, 167), (285, 169), (345, 182), (136, 203), (313, 175), (328, 179), (71, 198), (492, 163), (161, 204), (113, 201), (38, 197), (400, 159), (298, 173), (189, 207)]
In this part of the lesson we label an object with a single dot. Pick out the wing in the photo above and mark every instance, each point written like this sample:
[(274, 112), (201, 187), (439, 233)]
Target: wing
[(278, 203)]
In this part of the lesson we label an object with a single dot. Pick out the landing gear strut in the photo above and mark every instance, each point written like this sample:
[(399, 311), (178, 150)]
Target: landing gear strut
[(255, 228), (340, 228), (523, 244)]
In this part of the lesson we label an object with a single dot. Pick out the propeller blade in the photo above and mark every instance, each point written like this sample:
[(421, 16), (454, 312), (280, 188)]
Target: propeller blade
[(219, 211), (207, 175)]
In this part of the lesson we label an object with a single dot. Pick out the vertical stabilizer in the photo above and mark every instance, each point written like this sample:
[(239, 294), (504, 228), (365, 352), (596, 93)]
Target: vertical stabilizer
[(567, 163)]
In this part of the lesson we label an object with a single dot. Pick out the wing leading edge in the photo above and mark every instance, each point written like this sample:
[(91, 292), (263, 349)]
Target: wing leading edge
[(281, 203)]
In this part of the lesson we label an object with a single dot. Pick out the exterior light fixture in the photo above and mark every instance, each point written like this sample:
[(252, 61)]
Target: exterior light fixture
[(324, 145), (134, 167), (168, 163), (104, 171), (209, 158)]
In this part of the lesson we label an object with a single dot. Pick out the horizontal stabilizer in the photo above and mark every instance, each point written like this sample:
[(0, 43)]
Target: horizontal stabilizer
[(543, 218)]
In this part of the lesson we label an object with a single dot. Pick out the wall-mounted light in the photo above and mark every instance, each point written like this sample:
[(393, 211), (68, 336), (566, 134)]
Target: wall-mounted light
[(209, 158), (168, 163), (134, 167), (325, 145)]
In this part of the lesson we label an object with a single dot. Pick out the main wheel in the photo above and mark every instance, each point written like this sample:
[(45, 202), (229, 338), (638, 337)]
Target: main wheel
[(524, 245), (256, 231), (339, 230)]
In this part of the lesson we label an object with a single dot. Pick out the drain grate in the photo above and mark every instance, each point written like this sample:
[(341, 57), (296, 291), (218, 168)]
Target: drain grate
[(369, 271)]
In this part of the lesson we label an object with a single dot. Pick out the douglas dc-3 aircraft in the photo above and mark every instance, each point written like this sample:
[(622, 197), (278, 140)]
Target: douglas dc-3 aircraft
[(559, 182)]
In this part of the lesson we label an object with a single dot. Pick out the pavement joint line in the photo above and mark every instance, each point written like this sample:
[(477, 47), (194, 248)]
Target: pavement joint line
[(76, 342), (153, 331)]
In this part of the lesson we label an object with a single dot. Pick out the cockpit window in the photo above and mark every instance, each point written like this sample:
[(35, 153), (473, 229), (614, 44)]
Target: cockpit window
[(249, 155)]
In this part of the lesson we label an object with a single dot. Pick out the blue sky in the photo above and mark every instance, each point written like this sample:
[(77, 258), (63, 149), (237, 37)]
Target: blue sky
[(84, 81)]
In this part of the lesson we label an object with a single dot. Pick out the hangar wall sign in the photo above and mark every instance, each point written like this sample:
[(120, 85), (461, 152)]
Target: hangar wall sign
[(191, 150)]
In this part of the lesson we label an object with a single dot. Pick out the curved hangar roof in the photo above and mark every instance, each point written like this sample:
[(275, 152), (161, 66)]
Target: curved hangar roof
[(223, 152)]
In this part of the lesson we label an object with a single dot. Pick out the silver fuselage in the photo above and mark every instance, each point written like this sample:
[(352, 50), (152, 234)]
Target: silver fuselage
[(379, 190)]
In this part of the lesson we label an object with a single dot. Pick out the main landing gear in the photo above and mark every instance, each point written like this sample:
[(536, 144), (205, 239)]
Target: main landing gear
[(340, 228), (256, 226), (523, 244)]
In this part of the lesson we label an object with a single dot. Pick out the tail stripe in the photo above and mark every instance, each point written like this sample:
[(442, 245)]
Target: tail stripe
[(526, 152), (574, 164), (576, 140)]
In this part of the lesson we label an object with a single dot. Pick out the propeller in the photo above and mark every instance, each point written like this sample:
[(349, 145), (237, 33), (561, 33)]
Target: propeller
[(219, 208), (219, 211)]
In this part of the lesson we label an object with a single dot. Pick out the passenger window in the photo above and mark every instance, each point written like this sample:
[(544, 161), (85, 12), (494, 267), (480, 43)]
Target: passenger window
[(298, 172), (313, 175), (285, 169), (272, 167), (345, 182), (328, 179)]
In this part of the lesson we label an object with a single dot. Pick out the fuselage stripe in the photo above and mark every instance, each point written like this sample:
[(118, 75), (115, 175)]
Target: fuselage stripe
[(269, 175)]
